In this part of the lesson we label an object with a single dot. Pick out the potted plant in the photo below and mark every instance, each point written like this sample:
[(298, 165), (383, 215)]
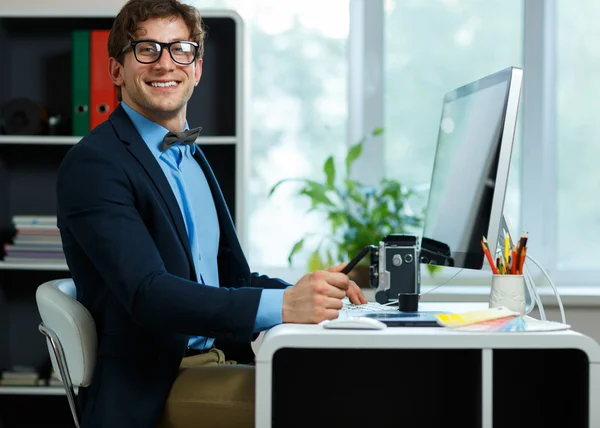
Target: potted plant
[(358, 215)]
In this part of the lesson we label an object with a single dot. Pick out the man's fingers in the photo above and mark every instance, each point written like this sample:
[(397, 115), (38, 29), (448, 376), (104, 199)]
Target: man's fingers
[(333, 291), (331, 314), (337, 268), (336, 279), (363, 299), (355, 294), (333, 303), (354, 297)]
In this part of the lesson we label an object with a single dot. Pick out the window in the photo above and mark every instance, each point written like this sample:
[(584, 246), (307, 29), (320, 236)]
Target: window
[(431, 48), (578, 151), (298, 108)]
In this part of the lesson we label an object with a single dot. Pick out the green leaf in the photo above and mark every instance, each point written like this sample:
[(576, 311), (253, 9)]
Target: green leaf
[(354, 191), (377, 131), (329, 169), (280, 182), (353, 154), (315, 262), (337, 219), (434, 269), (297, 247), (317, 194)]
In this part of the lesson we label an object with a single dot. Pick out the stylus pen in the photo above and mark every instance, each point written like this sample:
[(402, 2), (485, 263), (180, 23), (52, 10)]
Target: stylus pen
[(355, 260)]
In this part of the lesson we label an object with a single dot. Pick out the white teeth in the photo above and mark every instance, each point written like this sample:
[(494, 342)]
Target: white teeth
[(163, 84)]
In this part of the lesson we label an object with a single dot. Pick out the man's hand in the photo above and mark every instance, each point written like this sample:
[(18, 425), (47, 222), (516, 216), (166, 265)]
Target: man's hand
[(354, 292), (316, 297)]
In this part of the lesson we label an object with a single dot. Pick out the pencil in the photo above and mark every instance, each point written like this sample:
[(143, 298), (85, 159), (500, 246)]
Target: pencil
[(513, 261), (518, 256), (506, 248), (489, 258), (522, 263)]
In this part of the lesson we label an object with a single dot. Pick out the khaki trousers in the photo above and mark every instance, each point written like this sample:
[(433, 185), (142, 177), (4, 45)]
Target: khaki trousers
[(211, 391)]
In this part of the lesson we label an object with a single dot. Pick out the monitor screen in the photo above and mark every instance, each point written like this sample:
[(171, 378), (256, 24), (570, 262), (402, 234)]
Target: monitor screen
[(470, 171)]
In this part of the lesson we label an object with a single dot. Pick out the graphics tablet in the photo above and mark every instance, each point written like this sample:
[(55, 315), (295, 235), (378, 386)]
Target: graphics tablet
[(406, 319)]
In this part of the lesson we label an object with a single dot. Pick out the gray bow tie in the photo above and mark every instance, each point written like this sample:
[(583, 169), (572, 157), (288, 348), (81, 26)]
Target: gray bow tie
[(186, 137)]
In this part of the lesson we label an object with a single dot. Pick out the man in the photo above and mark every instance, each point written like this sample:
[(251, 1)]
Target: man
[(152, 248)]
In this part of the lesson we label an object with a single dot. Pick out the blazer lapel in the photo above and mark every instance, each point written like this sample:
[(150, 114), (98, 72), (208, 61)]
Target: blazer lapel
[(136, 146)]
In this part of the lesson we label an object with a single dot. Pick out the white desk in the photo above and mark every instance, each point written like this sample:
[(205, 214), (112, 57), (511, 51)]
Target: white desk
[(493, 372)]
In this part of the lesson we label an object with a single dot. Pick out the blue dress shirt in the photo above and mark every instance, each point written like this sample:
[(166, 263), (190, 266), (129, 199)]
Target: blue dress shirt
[(191, 189)]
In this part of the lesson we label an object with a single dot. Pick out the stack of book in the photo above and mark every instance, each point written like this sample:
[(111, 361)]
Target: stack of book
[(20, 378), (37, 241)]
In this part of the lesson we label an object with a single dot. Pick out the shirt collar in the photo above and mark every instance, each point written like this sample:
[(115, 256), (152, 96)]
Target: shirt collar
[(151, 132)]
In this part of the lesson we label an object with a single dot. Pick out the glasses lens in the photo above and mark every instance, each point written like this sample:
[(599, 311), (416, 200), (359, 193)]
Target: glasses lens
[(183, 52), (147, 51)]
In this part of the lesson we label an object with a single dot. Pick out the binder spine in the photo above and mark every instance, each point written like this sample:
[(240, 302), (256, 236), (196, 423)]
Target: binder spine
[(81, 82)]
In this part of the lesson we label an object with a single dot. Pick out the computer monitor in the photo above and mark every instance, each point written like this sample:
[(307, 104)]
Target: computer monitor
[(470, 172)]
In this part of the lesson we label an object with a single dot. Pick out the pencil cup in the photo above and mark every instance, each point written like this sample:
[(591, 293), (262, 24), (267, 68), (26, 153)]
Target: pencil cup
[(508, 291)]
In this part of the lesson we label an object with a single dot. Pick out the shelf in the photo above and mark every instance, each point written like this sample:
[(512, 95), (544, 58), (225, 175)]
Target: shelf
[(39, 139), (32, 390), (69, 140), (33, 266)]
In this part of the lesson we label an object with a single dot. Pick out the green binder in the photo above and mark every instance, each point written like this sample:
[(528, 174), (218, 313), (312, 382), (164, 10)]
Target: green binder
[(81, 82)]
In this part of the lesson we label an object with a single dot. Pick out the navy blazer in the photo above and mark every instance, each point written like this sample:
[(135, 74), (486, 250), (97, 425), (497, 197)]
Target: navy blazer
[(127, 249)]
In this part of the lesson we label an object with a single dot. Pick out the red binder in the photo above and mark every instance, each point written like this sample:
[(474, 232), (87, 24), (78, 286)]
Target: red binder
[(103, 99)]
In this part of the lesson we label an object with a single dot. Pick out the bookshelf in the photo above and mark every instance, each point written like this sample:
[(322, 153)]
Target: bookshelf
[(37, 66)]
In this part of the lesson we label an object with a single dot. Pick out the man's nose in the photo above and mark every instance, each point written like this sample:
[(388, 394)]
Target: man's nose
[(165, 60)]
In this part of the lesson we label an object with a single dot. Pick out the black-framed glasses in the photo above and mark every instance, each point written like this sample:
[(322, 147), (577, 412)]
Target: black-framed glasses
[(149, 51)]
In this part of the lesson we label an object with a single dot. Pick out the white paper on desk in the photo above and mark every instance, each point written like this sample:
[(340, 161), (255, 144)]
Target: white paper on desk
[(516, 324)]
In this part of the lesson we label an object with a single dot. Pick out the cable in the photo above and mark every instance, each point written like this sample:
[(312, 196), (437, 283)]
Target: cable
[(444, 283), (559, 300), (535, 297)]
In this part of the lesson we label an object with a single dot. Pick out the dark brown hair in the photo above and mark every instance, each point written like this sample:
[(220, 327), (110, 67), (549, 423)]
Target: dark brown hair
[(135, 12)]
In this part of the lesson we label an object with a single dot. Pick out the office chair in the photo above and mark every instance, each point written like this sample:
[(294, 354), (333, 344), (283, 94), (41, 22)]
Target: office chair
[(71, 336)]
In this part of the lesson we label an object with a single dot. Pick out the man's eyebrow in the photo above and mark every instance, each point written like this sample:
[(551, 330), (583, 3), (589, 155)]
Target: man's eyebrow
[(173, 39)]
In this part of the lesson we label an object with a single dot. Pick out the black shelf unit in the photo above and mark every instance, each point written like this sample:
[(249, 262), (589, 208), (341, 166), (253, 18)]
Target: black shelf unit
[(37, 58)]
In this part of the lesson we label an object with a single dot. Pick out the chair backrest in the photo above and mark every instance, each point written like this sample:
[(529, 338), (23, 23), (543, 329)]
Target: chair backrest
[(74, 327)]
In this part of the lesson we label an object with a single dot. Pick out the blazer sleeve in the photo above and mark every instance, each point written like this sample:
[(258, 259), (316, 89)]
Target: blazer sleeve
[(96, 203), (263, 281)]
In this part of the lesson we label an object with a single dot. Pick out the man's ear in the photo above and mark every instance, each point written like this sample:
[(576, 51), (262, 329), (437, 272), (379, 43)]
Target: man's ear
[(116, 72), (198, 71)]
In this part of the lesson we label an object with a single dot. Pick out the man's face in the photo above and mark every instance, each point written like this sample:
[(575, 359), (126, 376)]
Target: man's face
[(161, 90)]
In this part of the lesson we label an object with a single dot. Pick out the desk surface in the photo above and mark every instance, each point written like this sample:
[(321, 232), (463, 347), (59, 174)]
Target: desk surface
[(315, 336)]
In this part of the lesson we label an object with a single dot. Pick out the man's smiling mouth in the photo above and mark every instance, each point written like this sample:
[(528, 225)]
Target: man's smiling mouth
[(163, 84)]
